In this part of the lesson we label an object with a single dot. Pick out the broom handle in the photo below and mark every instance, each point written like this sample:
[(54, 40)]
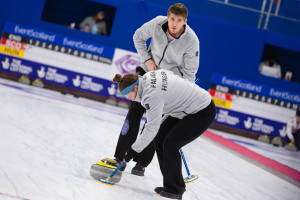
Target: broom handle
[(116, 170), (184, 161)]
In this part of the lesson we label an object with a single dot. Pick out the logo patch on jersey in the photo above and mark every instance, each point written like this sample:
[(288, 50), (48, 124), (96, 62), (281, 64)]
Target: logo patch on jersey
[(197, 53), (125, 127), (147, 106)]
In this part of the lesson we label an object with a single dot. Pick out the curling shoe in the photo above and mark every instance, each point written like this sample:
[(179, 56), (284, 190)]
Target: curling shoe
[(138, 170), (170, 195), (119, 160), (158, 190)]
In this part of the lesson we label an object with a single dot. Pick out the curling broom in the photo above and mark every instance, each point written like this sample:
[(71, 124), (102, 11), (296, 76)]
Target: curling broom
[(190, 177), (107, 181)]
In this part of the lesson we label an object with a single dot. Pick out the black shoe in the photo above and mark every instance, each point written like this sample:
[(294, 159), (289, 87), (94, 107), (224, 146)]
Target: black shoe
[(158, 190), (170, 195), (138, 170), (119, 160)]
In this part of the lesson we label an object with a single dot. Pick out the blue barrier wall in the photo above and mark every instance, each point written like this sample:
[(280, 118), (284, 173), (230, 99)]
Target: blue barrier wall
[(225, 47)]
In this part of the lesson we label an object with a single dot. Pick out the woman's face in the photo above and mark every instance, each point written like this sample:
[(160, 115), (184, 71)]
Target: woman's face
[(131, 95)]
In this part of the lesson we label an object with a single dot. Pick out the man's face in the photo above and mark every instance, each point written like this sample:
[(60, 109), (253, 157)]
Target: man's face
[(100, 16), (175, 23)]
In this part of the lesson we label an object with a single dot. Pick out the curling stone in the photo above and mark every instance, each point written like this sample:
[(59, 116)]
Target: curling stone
[(264, 138), (291, 147), (104, 168), (38, 83), (277, 142), (24, 79)]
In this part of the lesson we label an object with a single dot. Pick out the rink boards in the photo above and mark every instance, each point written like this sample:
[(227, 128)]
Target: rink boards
[(88, 67), (63, 61), (252, 107)]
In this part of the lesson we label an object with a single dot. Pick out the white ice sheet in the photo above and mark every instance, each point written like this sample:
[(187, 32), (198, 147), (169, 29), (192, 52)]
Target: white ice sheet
[(49, 141)]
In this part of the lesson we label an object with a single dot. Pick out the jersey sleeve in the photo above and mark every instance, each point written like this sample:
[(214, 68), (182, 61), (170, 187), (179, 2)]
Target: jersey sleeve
[(154, 111), (191, 62), (289, 130), (140, 37)]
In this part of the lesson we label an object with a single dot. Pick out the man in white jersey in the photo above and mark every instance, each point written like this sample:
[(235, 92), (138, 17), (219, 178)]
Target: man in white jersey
[(175, 47)]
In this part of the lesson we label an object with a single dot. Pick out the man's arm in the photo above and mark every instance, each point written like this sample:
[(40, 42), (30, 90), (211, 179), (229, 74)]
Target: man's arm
[(279, 71), (83, 23), (154, 109), (289, 130), (191, 62), (140, 37)]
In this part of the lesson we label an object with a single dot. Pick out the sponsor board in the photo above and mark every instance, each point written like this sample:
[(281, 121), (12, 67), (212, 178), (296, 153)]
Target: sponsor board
[(37, 43), (15, 41), (46, 37), (58, 76), (248, 122), (255, 88), (124, 62), (251, 106), (234, 93)]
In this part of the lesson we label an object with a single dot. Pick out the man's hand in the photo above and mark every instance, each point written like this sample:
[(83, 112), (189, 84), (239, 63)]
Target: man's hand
[(150, 65)]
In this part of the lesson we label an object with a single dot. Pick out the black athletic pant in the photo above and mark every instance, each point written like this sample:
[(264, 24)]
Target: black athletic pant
[(130, 131), (296, 135), (129, 134), (173, 134)]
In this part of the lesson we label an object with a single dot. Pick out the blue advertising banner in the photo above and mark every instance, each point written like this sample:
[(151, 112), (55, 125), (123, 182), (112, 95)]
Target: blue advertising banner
[(248, 122), (57, 39), (59, 76), (256, 88)]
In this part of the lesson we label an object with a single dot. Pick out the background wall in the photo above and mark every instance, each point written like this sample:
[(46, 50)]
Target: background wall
[(229, 47)]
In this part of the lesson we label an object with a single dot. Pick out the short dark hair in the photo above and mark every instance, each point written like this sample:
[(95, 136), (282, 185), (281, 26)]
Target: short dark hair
[(273, 57), (178, 9)]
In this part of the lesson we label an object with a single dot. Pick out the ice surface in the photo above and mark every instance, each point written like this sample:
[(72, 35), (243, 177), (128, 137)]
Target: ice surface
[(49, 141)]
